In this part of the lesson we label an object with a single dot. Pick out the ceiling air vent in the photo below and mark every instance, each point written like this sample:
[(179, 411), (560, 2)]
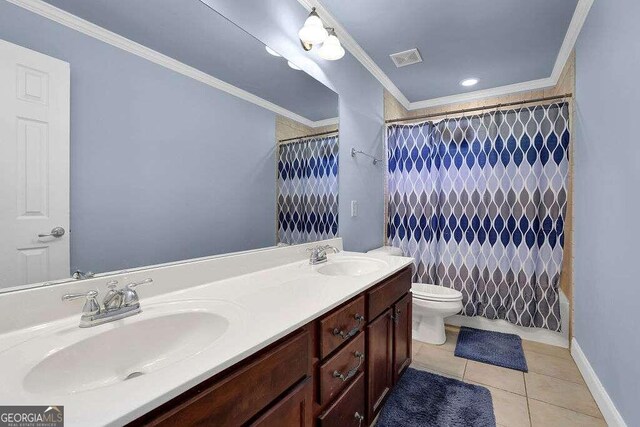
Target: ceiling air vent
[(408, 57)]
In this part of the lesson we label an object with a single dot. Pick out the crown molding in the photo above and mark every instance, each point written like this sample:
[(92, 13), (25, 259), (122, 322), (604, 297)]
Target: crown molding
[(326, 122), (575, 26), (573, 31), (485, 93), (90, 29), (354, 48)]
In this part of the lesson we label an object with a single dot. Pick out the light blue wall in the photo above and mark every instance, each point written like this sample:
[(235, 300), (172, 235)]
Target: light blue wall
[(276, 23), (162, 167), (607, 183)]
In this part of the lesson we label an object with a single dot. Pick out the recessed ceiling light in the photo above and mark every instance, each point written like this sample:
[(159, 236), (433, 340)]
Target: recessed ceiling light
[(292, 65), (469, 82)]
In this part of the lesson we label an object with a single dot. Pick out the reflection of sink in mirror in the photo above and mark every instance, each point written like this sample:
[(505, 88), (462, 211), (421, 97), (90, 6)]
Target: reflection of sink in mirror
[(352, 266), (87, 359)]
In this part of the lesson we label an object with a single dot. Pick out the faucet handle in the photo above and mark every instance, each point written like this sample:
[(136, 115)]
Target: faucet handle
[(91, 306), (142, 282), (130, 295)]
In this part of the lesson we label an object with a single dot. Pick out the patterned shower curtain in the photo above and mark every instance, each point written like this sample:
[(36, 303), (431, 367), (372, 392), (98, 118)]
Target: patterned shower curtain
[(308, 190), (480, 203)]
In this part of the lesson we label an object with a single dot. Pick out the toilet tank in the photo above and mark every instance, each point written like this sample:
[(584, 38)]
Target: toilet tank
[(388, 250)]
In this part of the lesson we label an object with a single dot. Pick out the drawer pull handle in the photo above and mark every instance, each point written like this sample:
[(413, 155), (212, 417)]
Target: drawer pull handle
[(346, 335), (352, 371), (358, 417)]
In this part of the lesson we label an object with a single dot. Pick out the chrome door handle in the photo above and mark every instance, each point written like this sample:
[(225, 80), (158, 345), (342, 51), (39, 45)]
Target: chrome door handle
[(56, 232), (396, 317)]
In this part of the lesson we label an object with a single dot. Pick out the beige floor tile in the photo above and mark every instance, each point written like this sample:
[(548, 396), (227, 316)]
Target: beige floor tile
[(439, 361), (556, 367), (495, 376), (566, 394), (510, 409), (415, 347), (549, 350), (546, 415), (449, 345)]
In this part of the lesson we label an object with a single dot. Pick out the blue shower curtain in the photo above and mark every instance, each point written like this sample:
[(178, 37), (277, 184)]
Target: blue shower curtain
[(480, 202), (308, 190)]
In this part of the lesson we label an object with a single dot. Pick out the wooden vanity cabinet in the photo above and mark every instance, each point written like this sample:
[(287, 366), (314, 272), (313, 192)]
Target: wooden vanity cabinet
[(380, 361), (388, 337), (335, 371), (402, 349)]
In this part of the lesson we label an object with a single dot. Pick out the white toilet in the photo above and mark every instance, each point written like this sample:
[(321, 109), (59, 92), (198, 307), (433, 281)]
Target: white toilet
[(431, 304)]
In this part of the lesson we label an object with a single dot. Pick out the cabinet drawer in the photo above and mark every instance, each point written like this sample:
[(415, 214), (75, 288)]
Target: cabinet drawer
[(236, 398), (341, 369), (349, 409), (391, 290), (293, 410), (341, 326)]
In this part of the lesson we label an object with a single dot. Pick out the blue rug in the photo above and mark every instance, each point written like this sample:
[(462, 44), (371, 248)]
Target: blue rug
[(422, 399), (494, 348)]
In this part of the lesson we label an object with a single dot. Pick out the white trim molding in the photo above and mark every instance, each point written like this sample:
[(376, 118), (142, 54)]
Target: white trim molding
[(485, 93), (602, 398), (326, 122), (577, 21), (76, 23)]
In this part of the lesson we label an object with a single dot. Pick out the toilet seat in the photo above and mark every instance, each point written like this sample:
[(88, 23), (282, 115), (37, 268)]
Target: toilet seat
[(428, 292)]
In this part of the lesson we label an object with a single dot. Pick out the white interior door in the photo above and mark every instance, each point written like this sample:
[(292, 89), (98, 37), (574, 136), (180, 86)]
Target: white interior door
[(34, 166)]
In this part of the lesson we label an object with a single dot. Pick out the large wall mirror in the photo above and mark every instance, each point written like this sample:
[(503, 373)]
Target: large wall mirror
[(182, 137)]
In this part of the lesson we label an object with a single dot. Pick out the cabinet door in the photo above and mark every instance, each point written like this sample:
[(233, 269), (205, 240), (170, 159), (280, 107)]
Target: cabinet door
[(293, 410), (380, 362), (401, 336)]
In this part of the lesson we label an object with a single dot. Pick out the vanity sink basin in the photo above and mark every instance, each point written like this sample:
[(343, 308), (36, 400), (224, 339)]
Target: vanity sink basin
[(74, 360), (351, 267)]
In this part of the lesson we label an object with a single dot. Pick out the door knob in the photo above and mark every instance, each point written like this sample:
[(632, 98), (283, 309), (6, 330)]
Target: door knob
[(56, 232)]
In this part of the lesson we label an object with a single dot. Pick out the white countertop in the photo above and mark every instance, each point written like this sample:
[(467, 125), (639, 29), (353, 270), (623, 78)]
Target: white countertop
[(270, 304)]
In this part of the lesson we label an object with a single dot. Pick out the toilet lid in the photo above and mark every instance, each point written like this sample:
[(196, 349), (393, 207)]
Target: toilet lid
[(434, 293)]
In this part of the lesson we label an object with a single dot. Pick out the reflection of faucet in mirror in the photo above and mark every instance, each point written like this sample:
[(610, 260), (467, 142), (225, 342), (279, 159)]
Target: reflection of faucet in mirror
[(79, 275), (117, 303)]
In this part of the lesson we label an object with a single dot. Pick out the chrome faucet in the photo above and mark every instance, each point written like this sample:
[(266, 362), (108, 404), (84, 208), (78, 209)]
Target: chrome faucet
[(116, 304), (319, 253)]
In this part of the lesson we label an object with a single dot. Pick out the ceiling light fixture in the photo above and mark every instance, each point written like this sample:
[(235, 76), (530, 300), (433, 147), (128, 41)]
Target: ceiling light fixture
[(469, 82), (292, 65), (331, 49), (313, 33), (271, 51)]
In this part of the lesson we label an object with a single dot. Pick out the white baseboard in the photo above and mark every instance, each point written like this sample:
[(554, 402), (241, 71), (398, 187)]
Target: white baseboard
[(606, 405)]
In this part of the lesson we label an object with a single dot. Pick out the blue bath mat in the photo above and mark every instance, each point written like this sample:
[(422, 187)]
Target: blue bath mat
[(422, 399), (494, 348)]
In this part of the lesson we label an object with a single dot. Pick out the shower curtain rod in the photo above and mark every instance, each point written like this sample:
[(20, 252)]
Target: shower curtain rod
[(486, 107), (307, 136)]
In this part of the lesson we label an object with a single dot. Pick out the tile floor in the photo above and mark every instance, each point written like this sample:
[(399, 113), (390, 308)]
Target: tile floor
[(551, 394)]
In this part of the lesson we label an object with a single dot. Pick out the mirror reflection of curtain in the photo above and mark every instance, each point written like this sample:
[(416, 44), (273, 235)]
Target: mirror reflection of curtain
[(308, 190), (480, 203)]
